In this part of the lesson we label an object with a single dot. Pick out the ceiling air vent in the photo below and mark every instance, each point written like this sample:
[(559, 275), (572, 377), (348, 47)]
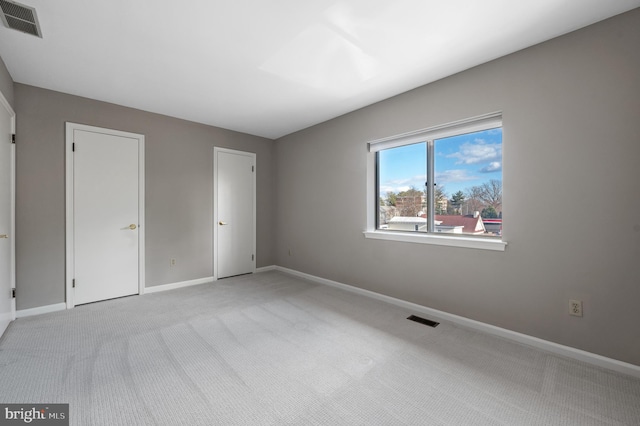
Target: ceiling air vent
[(20, 17)]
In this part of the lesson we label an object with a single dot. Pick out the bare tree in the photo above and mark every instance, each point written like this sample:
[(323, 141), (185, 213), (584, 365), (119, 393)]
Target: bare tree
[(440, 198), (491, 194), (473, 199)]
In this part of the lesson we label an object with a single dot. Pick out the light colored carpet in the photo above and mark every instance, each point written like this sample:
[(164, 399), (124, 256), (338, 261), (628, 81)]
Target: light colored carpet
[(270, 348)]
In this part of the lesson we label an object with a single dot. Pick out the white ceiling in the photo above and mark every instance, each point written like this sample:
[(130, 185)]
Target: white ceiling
[(270, 68)]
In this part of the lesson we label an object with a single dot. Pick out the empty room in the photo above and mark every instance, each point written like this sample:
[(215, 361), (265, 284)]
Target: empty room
[(320, 213)]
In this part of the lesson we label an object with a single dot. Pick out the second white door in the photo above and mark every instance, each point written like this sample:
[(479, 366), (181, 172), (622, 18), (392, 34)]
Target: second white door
[(234, 212), (106, 214)]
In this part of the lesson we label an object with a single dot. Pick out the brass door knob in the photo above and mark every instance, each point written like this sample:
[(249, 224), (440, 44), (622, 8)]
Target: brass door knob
[(4, 236), (132, 226), (222, 223)]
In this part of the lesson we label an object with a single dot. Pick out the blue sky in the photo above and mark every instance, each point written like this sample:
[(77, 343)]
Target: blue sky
[(461, 162)]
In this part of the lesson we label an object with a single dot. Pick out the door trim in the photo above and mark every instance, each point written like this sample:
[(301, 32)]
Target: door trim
[(12, 190), (70, 261), (217, 150)]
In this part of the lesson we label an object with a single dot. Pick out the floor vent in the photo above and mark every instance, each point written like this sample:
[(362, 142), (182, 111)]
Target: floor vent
[(20, 17), (423, 321)]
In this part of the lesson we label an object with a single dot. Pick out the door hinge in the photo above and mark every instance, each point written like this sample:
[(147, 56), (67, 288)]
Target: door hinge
[(73, 147), (252, 257), (13, 293), (73, 283), (13, 138), (253, 168)]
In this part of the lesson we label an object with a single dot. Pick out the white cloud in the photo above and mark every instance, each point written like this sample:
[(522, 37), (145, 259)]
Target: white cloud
[(398, 182), (494, 166), (478, 152), (455, 175), (399, 185)]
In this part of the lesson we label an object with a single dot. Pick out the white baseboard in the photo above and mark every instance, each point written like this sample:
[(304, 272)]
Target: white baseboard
[(172, 286), (41, 310), (62, 306), (266, 268), (555, 348)]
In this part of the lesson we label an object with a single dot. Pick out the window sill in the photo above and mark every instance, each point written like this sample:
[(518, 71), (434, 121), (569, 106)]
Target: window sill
[(440, 240)]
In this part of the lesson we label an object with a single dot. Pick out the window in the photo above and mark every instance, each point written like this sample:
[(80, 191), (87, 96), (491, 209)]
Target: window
[(443, 182)]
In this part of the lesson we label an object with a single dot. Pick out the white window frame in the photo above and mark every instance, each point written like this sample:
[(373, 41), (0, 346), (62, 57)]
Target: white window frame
[(475, 124)]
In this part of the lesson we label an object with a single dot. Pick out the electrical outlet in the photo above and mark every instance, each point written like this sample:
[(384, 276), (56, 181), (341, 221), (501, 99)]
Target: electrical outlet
[(289, 252), (575, 308), (172, 262)]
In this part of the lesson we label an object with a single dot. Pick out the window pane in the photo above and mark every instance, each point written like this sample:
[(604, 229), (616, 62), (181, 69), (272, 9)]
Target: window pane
[(402, 173), (468, 173)]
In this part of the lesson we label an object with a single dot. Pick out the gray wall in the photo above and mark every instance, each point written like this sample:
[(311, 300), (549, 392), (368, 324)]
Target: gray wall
[(6, 84), (179, 173), (572, 210)]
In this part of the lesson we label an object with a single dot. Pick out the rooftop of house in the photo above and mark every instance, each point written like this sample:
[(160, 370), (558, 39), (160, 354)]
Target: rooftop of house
[(470, 224)]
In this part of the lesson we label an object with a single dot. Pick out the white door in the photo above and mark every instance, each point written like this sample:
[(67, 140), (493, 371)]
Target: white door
[(234, 212), (106, 214), (7, 307)]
